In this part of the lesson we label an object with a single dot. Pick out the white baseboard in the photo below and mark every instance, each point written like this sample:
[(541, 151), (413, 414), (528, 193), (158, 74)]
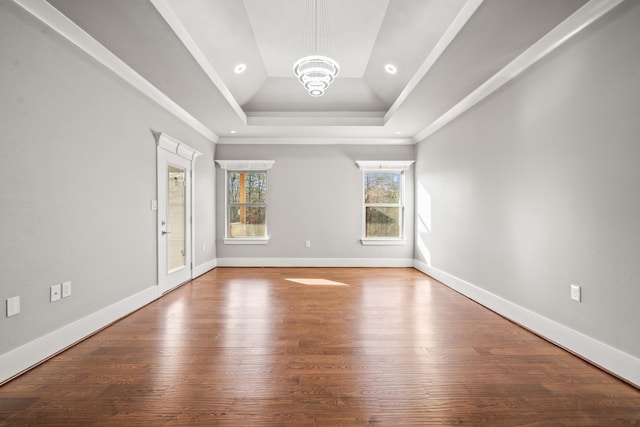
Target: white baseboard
[(616, 361), (200, 269), (315, 262), (607, 357), (19, 359)]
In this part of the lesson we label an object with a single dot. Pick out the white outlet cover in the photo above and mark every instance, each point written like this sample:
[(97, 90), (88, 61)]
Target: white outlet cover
[(56, 291)]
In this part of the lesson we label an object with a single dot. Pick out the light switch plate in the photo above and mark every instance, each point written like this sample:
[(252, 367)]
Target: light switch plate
[(66, 289), (13, 306), (575, 292)]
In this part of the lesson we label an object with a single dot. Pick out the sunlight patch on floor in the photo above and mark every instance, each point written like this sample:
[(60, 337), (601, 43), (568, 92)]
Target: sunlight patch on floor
[(317, 282)]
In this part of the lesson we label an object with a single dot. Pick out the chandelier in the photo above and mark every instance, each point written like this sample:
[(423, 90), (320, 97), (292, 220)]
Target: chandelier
[(316, 72)]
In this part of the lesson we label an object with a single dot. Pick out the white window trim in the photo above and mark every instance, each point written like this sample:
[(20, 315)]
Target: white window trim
[(386, 166), (245, 240), (245, 165), (236, 166)]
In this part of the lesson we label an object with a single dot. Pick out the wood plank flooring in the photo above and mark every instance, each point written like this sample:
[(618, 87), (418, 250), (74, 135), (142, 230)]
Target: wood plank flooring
[(381, 347)]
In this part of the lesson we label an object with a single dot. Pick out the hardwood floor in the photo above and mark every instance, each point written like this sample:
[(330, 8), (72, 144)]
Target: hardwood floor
[(382, 347)]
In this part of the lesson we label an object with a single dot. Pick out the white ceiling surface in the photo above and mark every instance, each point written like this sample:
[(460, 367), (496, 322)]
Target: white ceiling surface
[(279, 29), (443, 50)]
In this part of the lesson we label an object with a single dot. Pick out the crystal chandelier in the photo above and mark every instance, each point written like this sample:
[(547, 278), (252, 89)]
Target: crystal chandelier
[(316, 72)]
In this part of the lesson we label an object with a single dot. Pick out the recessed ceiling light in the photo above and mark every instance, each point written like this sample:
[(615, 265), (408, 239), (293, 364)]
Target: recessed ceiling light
[(232, 131), (240, 68), (390, 68), (398, 132)]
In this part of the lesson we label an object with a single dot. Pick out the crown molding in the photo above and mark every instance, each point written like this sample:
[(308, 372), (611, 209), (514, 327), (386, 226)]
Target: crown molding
[(234, 140), (181, 32), (466, 12), (555, 38), (316, 118), (58, 22)]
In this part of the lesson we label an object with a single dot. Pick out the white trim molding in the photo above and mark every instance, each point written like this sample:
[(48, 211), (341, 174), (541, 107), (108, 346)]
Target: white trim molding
[(316, 118), (169, 144), (386, 165), (203, 268), (256, 140), (245, 241), (600, 354), (382, 242), (59, 23), (172, 145), (555, 38), (466, 12), (167, 13), (245, 165), (37, 351), (235, 166), (315, 262)]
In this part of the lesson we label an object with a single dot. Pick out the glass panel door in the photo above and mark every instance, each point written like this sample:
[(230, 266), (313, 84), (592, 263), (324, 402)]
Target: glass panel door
[(176, 218)]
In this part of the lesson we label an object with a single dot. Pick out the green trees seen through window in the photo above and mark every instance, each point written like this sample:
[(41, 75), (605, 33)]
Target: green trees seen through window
[(247, 203), (383, 204)]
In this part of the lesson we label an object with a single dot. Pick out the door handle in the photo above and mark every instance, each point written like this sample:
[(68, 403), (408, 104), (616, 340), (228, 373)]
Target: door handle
[(165, 232)]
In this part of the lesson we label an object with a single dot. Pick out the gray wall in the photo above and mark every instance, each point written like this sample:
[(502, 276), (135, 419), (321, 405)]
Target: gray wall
[(78, 172), (204, 207), (314, 193), (539, 186)]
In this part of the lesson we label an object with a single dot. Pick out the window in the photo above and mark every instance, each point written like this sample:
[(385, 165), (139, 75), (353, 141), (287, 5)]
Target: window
[(247, 204), (383, 204), (383, 201), (246, 201)]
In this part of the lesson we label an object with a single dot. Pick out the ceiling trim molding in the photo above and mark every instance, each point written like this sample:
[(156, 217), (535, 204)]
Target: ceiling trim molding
[(466, 12), (314, 141), (330, 113), (316, 118), (555, 38), (58, 22), (183, 35)]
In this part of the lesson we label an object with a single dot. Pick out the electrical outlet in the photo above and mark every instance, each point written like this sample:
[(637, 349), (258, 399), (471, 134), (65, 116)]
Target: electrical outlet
[(204, 247), (307, 243), (13, 306), (66, 289), (56, 292), (575, 292)]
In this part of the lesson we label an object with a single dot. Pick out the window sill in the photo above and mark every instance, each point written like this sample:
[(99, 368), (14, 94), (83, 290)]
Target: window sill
[(246, 241), (382, 242)]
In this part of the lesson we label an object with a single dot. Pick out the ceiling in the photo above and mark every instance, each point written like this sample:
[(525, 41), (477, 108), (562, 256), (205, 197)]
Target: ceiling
[(449, 55)]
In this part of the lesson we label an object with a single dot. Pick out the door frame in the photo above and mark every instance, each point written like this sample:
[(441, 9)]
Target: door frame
[(169, 148)]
